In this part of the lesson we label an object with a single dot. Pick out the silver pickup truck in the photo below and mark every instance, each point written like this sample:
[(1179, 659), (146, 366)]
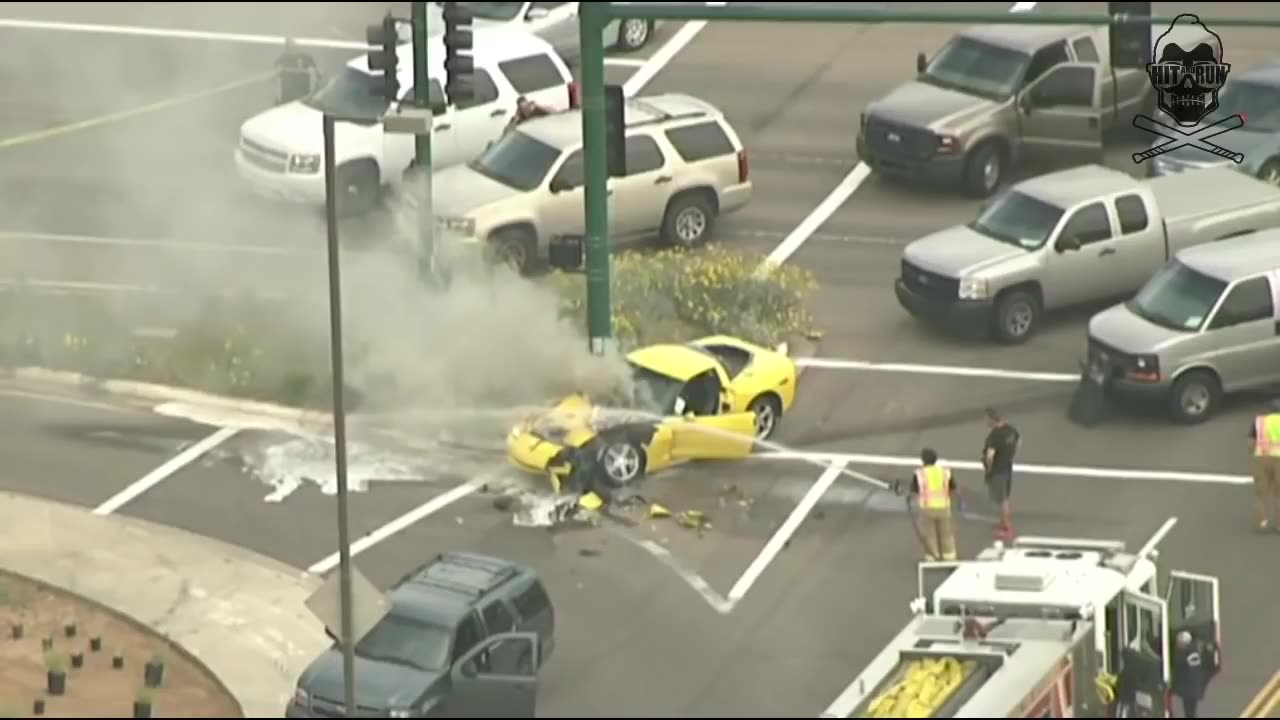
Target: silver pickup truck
[(1072, 237), (999, 95)]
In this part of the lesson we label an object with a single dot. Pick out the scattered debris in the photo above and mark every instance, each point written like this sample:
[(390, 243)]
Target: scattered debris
[(504, 503), (658, 511)]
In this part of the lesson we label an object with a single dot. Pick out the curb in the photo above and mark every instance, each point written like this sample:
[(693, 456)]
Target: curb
[(167, 393)]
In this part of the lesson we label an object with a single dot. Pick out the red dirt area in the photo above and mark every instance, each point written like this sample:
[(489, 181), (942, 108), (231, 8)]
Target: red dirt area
[(96, 689)]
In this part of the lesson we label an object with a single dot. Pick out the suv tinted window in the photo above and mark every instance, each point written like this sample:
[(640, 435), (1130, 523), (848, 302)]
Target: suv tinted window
[(701, 141), (532, 601), (1249, 301), (572, 174), (1090, 224), (498, 619), (469, 634), (531, 74), (643, 155), (484, 90), (1132, 214)]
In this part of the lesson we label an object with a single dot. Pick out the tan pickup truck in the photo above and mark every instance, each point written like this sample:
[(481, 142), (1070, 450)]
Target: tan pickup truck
[(998, 95)]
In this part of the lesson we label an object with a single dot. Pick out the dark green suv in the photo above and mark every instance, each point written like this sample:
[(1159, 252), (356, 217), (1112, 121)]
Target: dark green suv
[(464, 637)]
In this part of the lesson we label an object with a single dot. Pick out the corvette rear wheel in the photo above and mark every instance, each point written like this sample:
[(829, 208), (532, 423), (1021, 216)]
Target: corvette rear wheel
[(622, 462)]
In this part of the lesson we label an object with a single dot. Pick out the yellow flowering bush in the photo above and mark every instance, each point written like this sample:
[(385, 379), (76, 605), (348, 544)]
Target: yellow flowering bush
[(678, 294)]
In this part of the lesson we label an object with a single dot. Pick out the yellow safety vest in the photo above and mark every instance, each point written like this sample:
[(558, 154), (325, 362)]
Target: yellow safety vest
[(935, 487), (1268, 431)]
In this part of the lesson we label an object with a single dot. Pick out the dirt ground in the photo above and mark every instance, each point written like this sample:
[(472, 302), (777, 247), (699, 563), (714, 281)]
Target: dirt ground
[(96, 689)]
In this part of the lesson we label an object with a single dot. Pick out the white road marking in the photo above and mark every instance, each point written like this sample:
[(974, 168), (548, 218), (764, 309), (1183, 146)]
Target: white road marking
[(691, 578), (829, 205), (662, 58), (955, 370), (165, 471), (787, 529), (21, 236), (175, 33), (775, 236), (423, 511), (625, 62), (1051, 470)]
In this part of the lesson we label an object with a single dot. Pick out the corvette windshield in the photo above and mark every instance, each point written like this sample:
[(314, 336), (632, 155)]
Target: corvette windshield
[(654, 392)]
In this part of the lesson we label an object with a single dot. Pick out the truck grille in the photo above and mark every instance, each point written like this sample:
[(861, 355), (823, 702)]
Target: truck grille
[(930, 284), (1114, 360), (264, 157), (895, 140)]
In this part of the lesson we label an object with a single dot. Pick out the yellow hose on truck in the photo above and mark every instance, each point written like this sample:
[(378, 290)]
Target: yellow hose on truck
[(926, 686)]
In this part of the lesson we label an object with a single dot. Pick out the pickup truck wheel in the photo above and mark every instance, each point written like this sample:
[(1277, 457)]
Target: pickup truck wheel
[(984, 169), (514, 248), (1017, 316), (1270, 172), (622, 462), (358, 187), (1195, 397)]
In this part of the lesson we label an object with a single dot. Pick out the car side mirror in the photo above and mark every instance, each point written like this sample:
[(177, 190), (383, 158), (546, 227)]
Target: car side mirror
[(536, 13), (922, 62), (1025, 103), (1067, 244)]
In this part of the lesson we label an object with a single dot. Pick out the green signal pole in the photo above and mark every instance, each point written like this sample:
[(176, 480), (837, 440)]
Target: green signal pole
[(592, 18), (422, 144)]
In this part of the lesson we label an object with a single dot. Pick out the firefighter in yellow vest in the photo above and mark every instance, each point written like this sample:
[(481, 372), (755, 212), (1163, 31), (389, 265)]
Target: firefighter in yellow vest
[(935, 487), (1265, 434)]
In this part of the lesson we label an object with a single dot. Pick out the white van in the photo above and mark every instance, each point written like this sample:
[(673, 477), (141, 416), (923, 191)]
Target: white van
[(280, 150)]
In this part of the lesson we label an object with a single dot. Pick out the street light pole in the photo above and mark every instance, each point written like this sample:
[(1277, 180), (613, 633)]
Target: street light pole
[(591, 21), (339, 420), (422, 97)]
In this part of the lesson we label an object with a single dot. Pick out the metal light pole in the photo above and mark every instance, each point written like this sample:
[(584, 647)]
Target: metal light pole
[(422, 95), (339, 419), (592, 17)]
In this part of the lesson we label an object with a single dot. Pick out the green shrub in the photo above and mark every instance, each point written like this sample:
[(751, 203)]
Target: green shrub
[(677, 295)]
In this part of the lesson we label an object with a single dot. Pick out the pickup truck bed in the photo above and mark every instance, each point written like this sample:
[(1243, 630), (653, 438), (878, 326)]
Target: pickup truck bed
[(1214, 203)]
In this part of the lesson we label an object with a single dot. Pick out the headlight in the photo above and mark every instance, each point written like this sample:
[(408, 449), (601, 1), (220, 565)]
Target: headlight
[(302, 697), (1146, 368), (460, 225), (401, 713), (304, 164), (948, 144), (975, 289)]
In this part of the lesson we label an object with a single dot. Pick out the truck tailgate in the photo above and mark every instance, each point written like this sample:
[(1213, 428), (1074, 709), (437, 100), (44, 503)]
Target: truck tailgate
[(1213, 203)]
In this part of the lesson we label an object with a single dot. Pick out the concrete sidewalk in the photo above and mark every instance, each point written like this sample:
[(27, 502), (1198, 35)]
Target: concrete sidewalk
[(241, 614)]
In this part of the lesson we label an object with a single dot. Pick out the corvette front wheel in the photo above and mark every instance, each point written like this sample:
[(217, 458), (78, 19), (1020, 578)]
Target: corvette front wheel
[(622, 462)]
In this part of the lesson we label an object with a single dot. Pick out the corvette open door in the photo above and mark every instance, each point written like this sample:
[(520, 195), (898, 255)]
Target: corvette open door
[(714, 437)]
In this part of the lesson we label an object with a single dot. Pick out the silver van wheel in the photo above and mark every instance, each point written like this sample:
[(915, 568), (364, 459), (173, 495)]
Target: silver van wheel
[(1195, 400), (1195, 396)]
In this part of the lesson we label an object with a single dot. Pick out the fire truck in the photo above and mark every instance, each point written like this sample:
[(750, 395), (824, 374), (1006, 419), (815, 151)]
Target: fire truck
[(1041, 628)]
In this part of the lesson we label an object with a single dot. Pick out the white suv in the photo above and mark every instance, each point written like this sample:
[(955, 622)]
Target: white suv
[(280, 152), (685, 167)]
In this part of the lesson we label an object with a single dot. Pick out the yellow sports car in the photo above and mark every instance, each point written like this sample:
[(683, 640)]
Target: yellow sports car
[(708, 399)]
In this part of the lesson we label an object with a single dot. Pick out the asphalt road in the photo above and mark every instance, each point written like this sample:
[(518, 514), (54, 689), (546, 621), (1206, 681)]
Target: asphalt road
[(659, 646)]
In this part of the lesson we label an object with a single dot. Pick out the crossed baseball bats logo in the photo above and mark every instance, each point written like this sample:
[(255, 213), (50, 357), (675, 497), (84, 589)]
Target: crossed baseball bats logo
[(1197, 138)]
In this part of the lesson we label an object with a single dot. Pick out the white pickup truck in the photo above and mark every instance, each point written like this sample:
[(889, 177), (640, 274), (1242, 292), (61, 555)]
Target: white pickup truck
[(1067, 238)]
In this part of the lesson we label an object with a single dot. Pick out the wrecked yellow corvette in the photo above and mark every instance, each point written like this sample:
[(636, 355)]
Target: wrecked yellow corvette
[(708, 399)]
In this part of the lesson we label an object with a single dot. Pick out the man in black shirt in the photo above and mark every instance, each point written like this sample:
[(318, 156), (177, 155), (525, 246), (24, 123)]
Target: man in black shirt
[(1195, 663), (997, 459), (298, 73)]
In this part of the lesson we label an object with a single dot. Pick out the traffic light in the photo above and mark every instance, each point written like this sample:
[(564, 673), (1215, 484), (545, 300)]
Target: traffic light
[(615, 124), (458, 63), (1130, 42), (383, 41)]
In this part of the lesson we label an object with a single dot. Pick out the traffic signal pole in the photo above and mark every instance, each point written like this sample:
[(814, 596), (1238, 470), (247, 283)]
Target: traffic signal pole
[(591, 22), (422, 146)]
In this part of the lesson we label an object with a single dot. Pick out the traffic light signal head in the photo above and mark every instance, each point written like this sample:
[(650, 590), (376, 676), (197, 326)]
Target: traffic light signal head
[(383, 41), (458, 63)]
